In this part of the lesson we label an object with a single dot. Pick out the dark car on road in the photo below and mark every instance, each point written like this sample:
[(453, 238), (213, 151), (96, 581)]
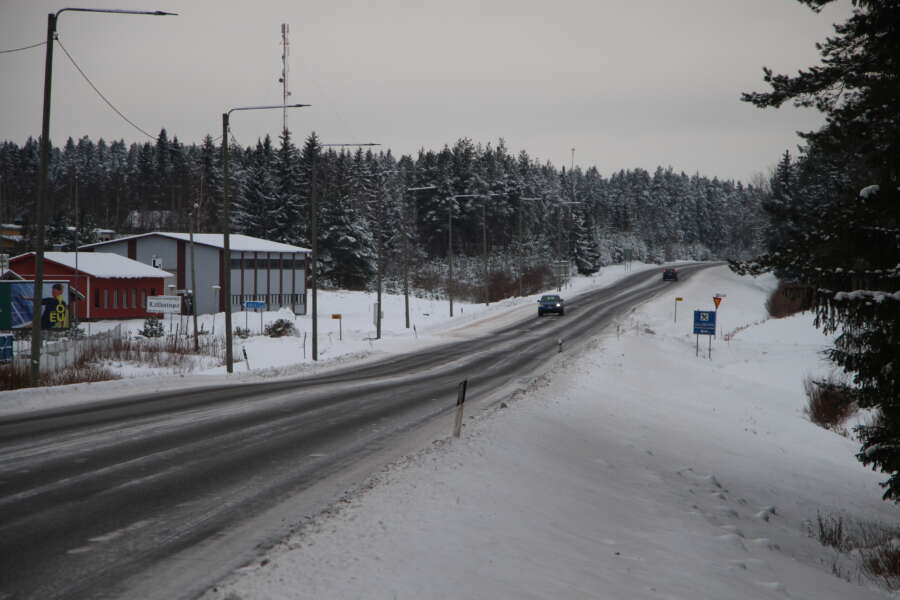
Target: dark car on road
[(551, 303), (670, 275)]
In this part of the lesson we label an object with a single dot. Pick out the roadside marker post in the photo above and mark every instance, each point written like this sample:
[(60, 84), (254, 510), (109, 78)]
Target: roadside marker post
[(247, 360), (460, 401), (340, 326)]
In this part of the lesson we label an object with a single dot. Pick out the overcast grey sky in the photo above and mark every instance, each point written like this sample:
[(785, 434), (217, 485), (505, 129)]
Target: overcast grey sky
[(628, 83)]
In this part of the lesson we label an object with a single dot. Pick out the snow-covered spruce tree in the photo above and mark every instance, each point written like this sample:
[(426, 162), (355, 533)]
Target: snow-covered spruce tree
[(209, 170), (255, 209), (846, 246), (346, 255), (584, 247), (289, 183)]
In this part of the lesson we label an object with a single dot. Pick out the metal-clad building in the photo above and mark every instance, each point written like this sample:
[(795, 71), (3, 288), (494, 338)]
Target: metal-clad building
[(260, 270)]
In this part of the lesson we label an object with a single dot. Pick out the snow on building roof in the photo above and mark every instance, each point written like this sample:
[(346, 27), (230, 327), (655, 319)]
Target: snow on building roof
[(238, 242), (104, 264)]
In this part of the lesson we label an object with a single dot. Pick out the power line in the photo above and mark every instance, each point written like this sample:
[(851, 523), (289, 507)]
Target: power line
[(22, 48), (99, 93)]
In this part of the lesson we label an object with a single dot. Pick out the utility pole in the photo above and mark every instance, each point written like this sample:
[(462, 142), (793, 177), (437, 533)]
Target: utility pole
[(41, 202), (379, 265), (226, 227), (487, 299), (313, 270), (450, 252), (192, 221)]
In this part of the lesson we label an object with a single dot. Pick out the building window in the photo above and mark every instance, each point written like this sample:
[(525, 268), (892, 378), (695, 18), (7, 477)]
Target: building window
[(105, 298), (115, 295), (96, 298), (144, 299), (133, 297)]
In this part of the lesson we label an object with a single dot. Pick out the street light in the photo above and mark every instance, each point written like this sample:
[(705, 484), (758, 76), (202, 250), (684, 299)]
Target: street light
[(194, 274), (40, 217), (226, 224)]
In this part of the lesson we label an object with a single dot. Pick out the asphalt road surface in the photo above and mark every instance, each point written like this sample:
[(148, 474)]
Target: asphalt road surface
[(93, 498)]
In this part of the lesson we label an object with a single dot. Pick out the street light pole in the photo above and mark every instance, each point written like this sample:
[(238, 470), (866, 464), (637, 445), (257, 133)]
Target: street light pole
[(194, 276), (41, 207), (450, 252), (226, 227)]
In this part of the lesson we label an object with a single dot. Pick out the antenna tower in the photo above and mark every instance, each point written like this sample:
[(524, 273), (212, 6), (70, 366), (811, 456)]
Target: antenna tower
[(285, 53)]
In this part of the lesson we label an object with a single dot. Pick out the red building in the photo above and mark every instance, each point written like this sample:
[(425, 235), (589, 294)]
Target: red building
[(114, 287)]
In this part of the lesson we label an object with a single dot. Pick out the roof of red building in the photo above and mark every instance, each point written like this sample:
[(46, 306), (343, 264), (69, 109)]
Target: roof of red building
[(102, 264)]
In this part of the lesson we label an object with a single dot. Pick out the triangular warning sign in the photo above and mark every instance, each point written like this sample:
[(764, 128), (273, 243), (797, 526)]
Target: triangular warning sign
[(716, 300)]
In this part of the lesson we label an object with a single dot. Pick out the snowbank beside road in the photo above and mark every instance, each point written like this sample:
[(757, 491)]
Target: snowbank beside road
[(636, 471)]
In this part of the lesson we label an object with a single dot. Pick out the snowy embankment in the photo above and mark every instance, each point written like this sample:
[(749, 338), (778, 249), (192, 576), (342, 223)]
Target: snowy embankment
[(342, 342), (635, 470)]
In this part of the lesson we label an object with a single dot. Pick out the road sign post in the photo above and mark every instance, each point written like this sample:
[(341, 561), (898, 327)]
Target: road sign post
[(704, 324), (340, 325), (677, 300), (717, 299), (257, 305)]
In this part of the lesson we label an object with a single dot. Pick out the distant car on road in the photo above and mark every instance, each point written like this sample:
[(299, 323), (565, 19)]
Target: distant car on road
[(551, 303), (670, 275)]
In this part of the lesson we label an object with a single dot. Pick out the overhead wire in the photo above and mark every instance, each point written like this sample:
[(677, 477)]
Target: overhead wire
[(23, 48), (99, 93)]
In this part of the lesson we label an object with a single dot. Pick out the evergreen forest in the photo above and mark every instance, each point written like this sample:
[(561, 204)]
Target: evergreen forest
[(509, 213)]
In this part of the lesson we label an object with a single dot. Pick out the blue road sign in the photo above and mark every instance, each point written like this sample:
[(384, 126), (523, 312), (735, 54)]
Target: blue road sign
[(705, 322), (254, 304)]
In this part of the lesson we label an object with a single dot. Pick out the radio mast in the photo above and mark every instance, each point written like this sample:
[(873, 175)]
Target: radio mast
[(285, 53)]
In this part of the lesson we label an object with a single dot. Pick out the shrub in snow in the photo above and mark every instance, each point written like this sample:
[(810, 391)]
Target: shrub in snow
[(242, 332), (829, 402), (280, 328), (788, 299), (153, 327)]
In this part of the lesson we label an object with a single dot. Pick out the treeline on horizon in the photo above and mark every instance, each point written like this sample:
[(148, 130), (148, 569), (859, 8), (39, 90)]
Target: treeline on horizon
[(529, 212)]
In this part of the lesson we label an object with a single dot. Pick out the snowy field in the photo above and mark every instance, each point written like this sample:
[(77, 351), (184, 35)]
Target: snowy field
[(635, 470), (341, 342)]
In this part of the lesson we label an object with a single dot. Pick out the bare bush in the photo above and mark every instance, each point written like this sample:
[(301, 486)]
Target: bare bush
[(280, 328), (535, 279), (789, 299), (830, 532), (17, 377), (876, 545), (830, 402), (883, 562)]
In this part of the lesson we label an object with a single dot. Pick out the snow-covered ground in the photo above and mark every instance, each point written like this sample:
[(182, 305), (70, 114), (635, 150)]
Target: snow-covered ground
[(340, 342), (635, 470)]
